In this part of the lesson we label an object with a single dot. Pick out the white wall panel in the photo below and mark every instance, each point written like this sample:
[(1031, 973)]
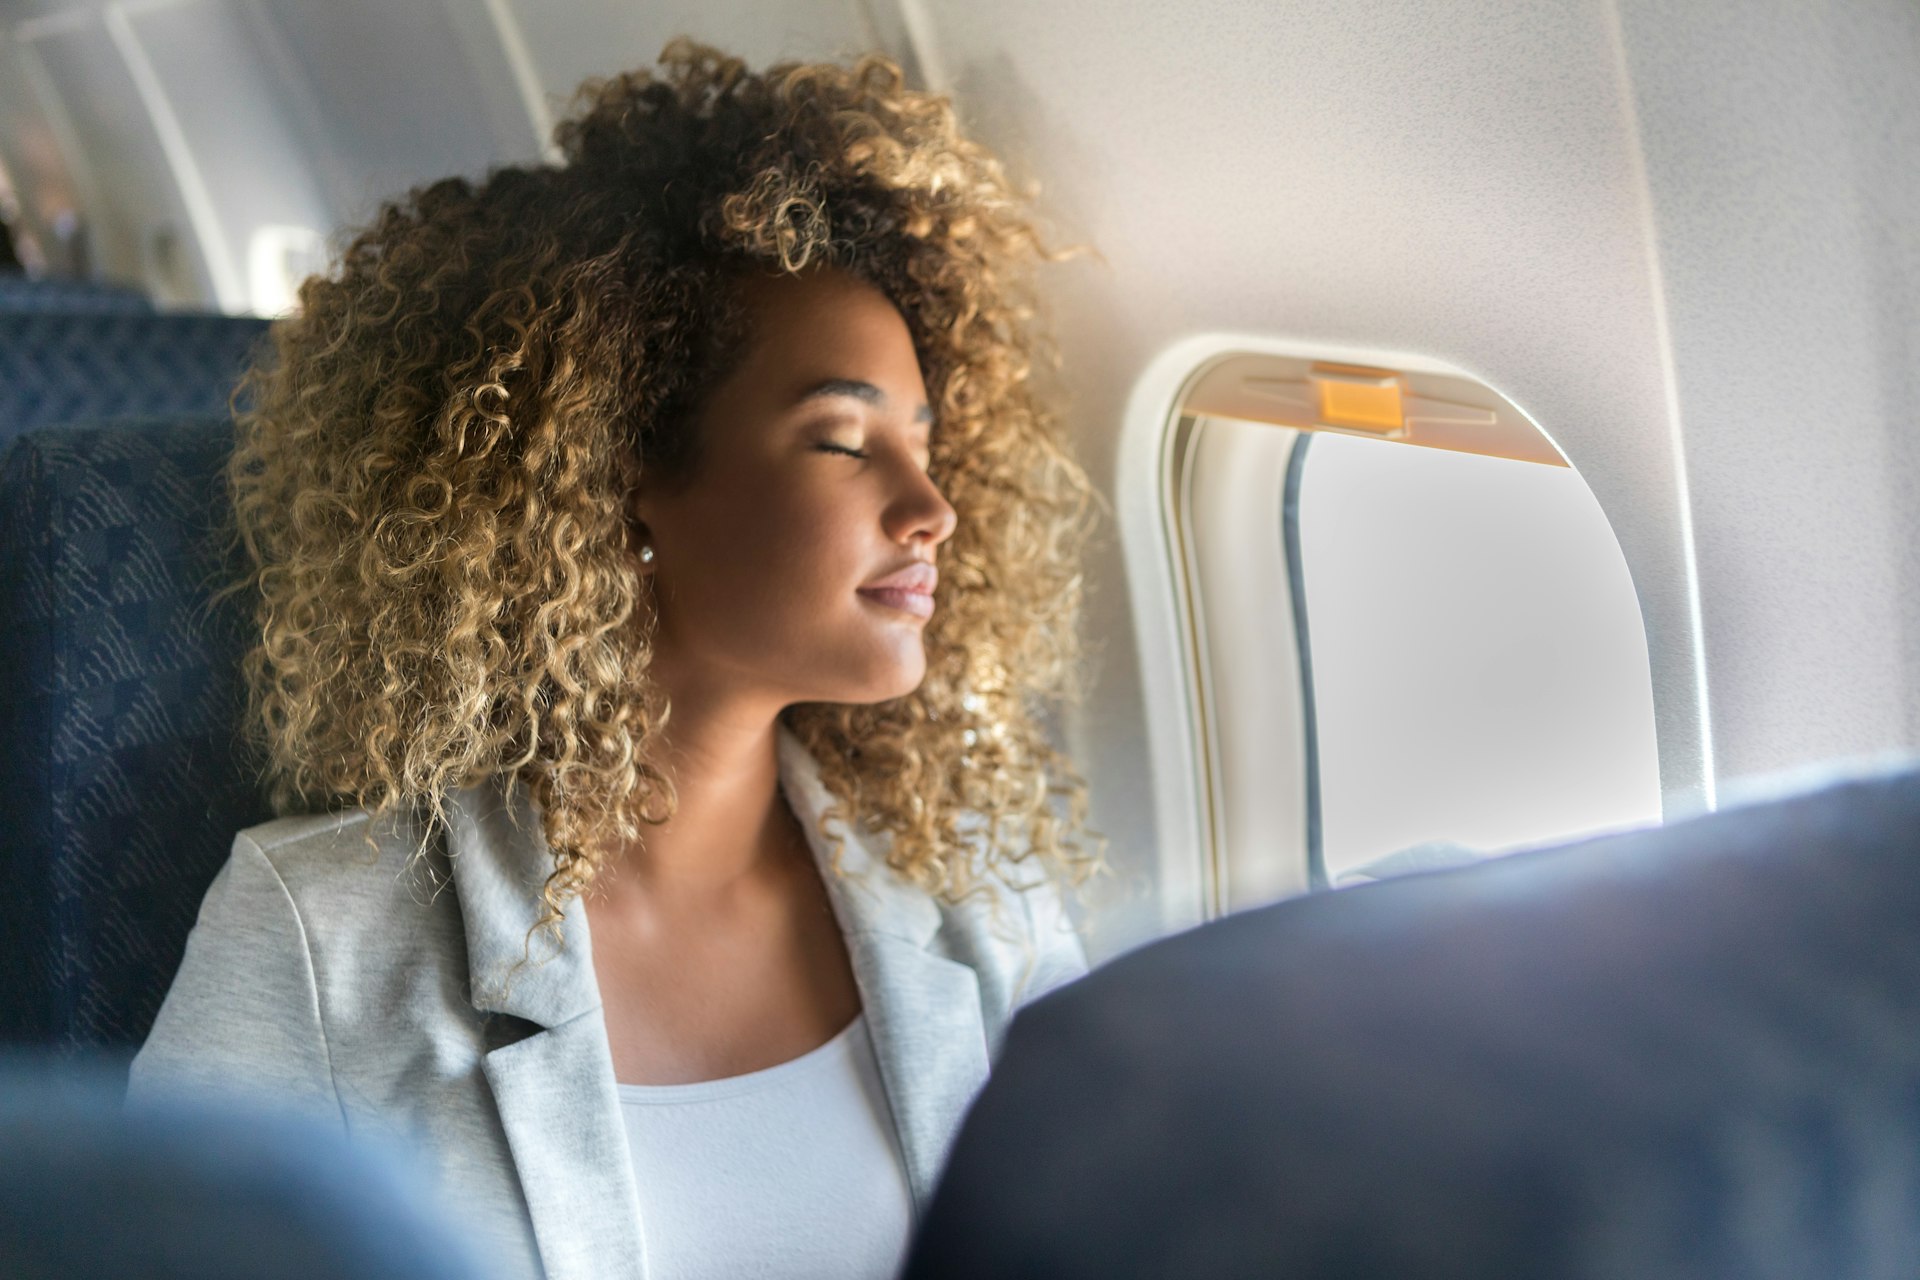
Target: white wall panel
[(1782, 143)]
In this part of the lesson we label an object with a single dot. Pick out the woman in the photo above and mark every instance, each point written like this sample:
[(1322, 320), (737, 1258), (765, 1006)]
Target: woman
[(662, 561)]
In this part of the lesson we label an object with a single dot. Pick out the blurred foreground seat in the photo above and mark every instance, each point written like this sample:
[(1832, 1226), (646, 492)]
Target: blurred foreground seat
[(120, 698), (1689, 1051), (193, 1190)]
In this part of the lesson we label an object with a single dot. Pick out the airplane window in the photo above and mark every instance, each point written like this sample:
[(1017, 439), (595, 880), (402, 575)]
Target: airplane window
[(279, 258), (1479, 669), (1413, 639), (13, 255)]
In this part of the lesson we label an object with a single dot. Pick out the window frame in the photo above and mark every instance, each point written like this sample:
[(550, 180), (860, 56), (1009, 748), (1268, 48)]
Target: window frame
[(1197, 814)]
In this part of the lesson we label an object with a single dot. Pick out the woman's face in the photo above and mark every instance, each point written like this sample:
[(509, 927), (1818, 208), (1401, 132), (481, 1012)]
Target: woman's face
[(810, 484)]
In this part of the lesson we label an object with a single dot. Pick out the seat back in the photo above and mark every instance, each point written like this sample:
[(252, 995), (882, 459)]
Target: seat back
[(119, 702), (59, 367), (19, 292), (1691, 1050)]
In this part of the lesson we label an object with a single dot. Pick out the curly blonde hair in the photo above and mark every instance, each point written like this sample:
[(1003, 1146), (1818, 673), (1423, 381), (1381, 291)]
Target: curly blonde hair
[(434, 456)]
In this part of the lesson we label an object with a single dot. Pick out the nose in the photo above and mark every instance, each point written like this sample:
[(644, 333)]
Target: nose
[(921, 511)]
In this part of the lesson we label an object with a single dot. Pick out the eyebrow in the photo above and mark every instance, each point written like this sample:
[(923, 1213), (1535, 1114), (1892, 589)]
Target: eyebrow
[(863, 391)]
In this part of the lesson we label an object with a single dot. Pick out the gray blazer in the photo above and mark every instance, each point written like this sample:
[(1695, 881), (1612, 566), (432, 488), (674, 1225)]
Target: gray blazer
[(323, 973)]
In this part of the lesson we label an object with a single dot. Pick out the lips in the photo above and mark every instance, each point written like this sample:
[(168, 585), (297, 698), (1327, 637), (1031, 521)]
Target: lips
[(909, 589), (918, 576)]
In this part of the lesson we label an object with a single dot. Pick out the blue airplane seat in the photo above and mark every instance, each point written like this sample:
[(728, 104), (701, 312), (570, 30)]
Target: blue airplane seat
[(119, 715), (59, 367), (1687, 1051), (27, 293), (194, 1186)]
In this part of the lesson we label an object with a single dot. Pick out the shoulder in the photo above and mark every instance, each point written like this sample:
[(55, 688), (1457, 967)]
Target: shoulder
[(245, 1008), (309, 844), (307, 908), (349, 866), (305, 914)]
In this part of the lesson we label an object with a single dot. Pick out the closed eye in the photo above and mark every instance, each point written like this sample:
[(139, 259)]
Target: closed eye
[(851, 452)]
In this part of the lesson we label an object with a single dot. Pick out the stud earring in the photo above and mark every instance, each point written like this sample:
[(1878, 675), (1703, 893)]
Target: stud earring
[(646, 555)]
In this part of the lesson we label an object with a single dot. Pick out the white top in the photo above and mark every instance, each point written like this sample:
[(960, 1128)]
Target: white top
[(779, 1174)]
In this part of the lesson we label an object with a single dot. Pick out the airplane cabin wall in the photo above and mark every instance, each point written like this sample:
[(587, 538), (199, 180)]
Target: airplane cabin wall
[(1782, 144), (1681, 238), (1457, 181)]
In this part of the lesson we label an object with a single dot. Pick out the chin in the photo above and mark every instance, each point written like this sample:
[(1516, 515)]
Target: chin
[(879, 683), (900, 686), (856, 663)]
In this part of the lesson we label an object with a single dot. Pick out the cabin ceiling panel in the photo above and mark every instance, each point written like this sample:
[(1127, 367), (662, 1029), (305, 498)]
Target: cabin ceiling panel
[(16, 11), (402, 94), (243, 157), (570, 40)]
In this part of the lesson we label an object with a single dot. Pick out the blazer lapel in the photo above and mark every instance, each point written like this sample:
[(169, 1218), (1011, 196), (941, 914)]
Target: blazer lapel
[(557, 1103), (923, 1009), (923, 1012), (554, 1087)]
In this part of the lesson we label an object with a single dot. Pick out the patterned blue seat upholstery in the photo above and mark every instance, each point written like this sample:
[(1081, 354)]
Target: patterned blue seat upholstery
[(119, 716), (58, 367), (25, 293)]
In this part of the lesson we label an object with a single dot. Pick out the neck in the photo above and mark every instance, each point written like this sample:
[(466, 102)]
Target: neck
[(730, 825)]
